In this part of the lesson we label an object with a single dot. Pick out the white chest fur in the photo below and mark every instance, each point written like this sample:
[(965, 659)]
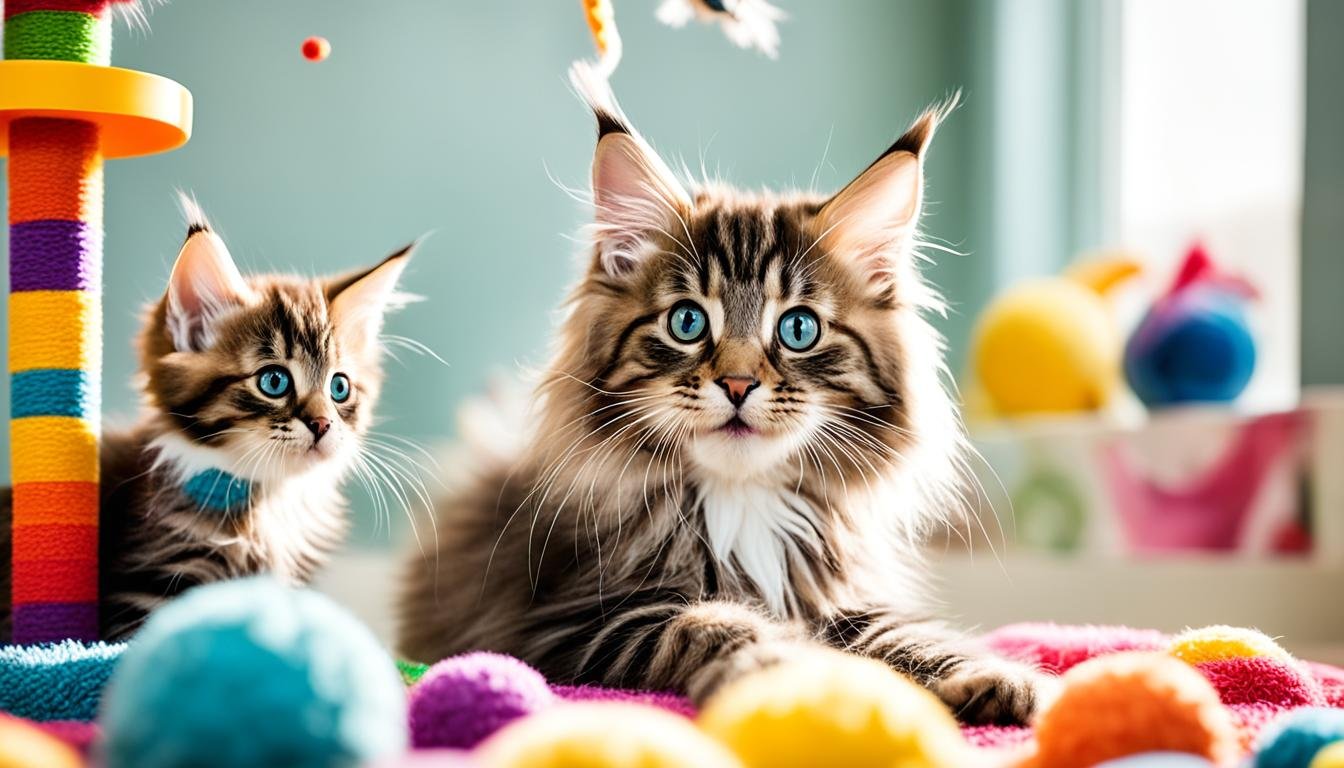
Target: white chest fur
[(755, 529)]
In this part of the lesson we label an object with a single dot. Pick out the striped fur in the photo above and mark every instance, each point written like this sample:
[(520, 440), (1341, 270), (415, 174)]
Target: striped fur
[(650, 532), (200, 352)]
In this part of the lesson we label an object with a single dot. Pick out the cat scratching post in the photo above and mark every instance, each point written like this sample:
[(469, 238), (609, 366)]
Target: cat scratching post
[(63, 110)]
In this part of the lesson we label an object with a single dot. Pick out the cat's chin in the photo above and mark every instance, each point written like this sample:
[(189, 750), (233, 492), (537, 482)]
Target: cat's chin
[(317, 459), (318, 462), (739, 453)]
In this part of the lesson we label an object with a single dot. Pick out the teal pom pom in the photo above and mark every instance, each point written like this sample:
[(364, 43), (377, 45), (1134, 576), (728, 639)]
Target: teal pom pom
[(250, 672), (1299, 736), (57, 681)]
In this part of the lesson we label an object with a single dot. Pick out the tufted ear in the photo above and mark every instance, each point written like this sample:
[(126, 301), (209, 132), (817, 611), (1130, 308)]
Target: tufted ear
[(635, 194), (205, 286), (872, 220), (359, 302)]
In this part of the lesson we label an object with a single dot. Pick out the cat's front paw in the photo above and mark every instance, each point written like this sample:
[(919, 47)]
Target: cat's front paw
[(751, 657), (986, 691)]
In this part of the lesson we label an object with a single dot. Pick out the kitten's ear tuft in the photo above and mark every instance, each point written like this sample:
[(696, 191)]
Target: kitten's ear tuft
[(192, 212), (595, 89), (635, 194), (916, 138), (872, 220), (204, 287), (358, 302)]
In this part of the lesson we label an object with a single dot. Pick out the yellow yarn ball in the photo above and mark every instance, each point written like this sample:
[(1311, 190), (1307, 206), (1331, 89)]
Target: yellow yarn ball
[(1331, 756), (24, 746), (834, 709), (603, 735), (1047, 346), (1219, 642)]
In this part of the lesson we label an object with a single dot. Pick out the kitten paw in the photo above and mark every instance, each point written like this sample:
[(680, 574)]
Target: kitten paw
[(750, 658), (992, 691)]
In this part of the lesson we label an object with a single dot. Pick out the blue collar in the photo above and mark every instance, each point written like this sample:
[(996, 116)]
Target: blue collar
[(215, 490)]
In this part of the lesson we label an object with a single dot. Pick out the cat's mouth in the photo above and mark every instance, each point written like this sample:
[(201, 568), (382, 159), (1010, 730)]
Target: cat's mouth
[(736, 427)]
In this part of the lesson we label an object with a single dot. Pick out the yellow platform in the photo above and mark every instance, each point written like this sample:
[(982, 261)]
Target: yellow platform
[(139, 113)]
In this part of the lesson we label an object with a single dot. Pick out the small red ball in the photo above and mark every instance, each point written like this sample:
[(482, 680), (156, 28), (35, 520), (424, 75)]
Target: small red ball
[(316, 48)]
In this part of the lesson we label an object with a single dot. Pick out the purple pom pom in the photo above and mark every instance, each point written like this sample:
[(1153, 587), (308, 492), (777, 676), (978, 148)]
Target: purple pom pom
[(464, 699)]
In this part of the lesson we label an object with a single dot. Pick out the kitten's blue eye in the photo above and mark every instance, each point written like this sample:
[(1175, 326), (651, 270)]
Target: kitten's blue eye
[(799, 329), (340, 387), (274, 381), (687, 322)]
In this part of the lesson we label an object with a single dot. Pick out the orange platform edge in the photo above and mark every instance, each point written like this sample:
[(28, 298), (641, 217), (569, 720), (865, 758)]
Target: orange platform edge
[(138, 113)]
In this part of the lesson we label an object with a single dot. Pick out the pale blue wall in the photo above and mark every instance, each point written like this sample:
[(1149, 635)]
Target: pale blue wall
[(1323, 198), (446, 116)]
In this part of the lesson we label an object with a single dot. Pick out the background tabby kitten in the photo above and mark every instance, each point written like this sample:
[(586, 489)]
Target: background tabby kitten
[(739, 441), (258, 392)]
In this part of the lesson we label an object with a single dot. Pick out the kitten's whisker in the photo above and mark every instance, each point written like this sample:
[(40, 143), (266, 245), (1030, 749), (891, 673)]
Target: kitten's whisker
[(393, 483), (845, 450), (382, 508), (395, 452), (967, 470), (812, 182), (864, 443), (610, 439), (864, 415), (840, 472), (412, 470), (618, 404), (798, 258), (405, 342), (548, 476), (406, 483), (926, 242), (598, 389), (417, 447)]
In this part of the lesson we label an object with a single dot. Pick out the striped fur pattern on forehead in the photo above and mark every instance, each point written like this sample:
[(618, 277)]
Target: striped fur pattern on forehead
[(737, 445), (211, 394), (848, 411), (265, 377)]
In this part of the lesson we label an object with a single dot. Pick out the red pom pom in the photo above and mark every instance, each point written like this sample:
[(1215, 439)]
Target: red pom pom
[(316, 48), (1260, 680)]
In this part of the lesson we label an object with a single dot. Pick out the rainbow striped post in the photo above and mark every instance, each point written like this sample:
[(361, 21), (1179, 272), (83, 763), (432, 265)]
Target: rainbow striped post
[(55, 333), (62, 110)]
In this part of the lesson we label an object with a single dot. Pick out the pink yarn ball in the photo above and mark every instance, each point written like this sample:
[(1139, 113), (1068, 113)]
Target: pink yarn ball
[(464, 699), (1261, 680)]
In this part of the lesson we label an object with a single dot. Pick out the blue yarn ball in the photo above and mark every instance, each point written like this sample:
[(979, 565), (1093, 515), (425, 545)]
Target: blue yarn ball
[(55, 681), (251, 672), (1195, 348), (1159, 760), (1298, 736)]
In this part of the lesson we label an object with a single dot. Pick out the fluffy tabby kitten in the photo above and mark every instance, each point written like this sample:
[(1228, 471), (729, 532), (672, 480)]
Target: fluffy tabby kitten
[(739, 440), (257, 393)]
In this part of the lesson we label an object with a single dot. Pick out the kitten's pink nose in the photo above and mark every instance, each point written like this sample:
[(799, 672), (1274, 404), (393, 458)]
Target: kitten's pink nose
[(737, 387), (318, 425)]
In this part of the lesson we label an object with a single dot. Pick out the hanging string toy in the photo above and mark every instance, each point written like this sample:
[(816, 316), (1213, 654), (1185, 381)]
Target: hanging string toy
[(747, 23)]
